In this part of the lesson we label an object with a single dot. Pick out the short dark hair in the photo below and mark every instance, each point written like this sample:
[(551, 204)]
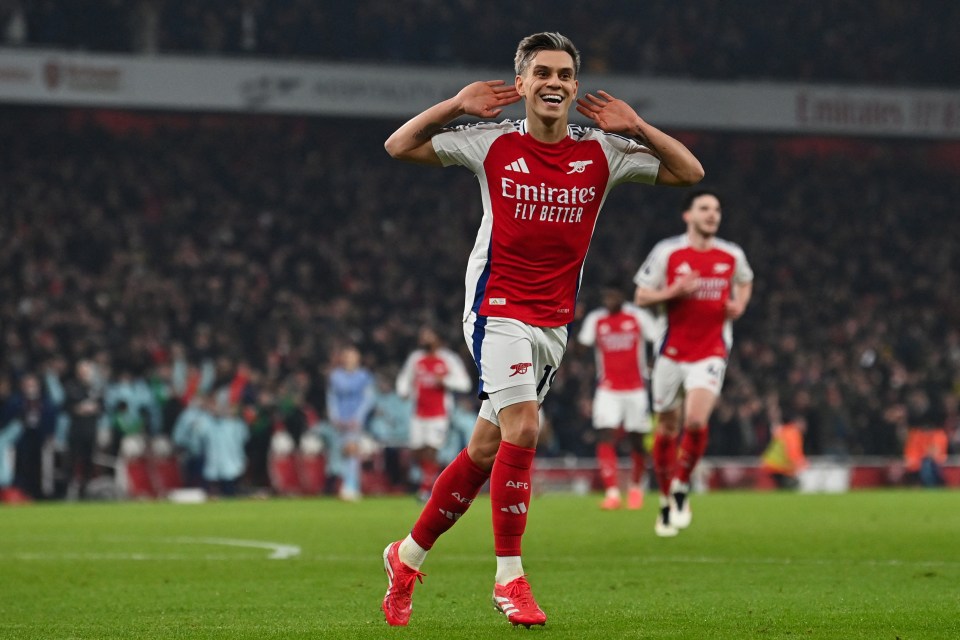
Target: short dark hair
[(693, 195), (546, 41)]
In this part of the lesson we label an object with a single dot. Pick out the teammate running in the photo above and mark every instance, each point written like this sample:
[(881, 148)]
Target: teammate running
[(705, 284), (428, 376)]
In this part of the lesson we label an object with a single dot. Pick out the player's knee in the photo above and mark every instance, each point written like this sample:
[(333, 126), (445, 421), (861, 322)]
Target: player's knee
[(523, 434), (668, 424), (695, 424), (520, 424), (483, 454)]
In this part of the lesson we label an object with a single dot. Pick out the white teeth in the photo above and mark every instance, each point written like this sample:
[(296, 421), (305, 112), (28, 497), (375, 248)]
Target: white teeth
[(553, 99)]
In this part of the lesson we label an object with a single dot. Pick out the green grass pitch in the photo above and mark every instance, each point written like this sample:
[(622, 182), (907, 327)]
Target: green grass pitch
[(878, 565)]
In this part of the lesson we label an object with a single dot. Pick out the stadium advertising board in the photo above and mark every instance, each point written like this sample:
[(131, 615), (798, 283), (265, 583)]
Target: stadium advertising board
[(379, 91)]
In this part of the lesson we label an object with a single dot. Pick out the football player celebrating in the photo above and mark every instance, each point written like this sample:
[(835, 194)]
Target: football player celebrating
[(542, 181)]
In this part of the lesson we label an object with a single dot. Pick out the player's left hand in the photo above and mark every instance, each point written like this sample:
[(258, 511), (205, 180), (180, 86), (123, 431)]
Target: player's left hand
[(610, 114)]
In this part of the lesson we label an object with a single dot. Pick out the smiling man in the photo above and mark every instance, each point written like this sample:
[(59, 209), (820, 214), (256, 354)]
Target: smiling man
[(542, 182)]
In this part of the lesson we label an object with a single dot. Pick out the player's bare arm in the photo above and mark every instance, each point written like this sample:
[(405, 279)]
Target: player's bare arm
[(678, 166), (737, 305), (411, 142), (683, 286)]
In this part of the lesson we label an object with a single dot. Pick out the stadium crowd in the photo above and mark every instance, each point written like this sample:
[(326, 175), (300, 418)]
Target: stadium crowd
[(150, 264), (887, 42)]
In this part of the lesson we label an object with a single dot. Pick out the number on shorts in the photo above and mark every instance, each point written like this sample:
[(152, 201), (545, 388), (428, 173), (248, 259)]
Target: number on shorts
[(546, 376)]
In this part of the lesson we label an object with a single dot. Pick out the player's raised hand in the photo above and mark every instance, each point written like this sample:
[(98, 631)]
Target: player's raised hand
[(608, 113), (686, 284), (487, 99)]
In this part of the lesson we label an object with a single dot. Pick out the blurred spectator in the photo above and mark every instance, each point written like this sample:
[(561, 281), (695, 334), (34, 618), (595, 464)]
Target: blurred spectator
[(925, 449), (222, 436), (191, 254), (783, 458), (894, 42), (88, 431), (36, 415)]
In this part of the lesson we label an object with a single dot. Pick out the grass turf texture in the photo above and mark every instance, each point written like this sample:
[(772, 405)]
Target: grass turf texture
[(872, 565)]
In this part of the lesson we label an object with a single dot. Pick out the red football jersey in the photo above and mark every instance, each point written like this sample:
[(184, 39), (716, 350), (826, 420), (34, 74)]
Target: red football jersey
[(618, 338), (697, 325), (540, 206), (428, 377)]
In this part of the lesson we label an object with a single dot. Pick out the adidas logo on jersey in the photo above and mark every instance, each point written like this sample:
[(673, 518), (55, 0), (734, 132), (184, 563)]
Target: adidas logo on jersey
[(519, 165), (516, 509), (684, 267)]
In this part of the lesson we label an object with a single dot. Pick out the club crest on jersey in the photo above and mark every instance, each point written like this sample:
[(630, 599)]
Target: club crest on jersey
[(520, 368), (578, 166), (721, 267)]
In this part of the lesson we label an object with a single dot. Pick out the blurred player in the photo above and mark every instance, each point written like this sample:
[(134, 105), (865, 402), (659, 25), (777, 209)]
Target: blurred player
[(350, 394), (542, 183), (618, 332), (705, 284), (428, 376)]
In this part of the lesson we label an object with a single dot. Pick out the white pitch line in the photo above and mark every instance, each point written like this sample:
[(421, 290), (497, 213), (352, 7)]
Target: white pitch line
[(93, 556), (278, 550)]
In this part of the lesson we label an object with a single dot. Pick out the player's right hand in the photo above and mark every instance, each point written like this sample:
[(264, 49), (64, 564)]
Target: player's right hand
[(487, 99), (687, 284)]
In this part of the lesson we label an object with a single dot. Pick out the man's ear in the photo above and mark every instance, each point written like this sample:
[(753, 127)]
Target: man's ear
[(518, 83)]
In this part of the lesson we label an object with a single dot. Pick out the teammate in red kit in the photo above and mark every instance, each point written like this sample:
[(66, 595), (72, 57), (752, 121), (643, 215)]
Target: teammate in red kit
[(705, 284), (542, 182), (428, 376), (618, 331)]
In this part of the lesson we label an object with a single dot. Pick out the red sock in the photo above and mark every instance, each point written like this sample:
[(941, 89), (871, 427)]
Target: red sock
[(664, 458), (453, 492), (692, 446), (428, 475), (607, 459), (510, 497), (639, 466)]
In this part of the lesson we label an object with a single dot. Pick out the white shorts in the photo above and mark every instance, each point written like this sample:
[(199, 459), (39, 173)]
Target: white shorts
[(629, 408), (670, 377), (517, 361), (428, 432)]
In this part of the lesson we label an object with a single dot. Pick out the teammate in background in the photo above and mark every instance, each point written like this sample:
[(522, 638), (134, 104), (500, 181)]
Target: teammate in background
[(429, 376), (350, 395), (542, 183), (705, 284), (618, 331)]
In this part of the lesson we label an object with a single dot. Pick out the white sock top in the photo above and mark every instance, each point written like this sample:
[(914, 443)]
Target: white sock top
[(411, 554), (509, 568)]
